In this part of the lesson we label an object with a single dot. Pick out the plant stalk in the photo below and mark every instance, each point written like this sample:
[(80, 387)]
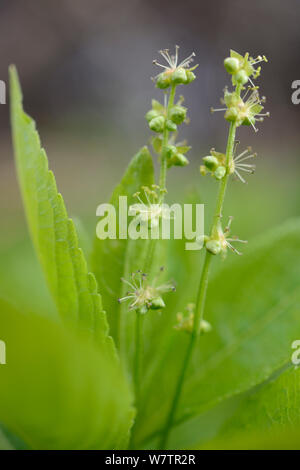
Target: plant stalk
[(163, 167), (151, 251), (202, 289)]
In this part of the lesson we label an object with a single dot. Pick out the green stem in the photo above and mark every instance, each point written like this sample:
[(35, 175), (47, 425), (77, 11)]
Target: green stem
[(163, 167), (179, 386), (162, 181), (202, 289), (138, 355), (150, 253)]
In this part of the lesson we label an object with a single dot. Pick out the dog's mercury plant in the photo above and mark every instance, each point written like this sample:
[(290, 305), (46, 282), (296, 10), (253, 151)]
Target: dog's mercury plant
[(239, 110), (114, 379)]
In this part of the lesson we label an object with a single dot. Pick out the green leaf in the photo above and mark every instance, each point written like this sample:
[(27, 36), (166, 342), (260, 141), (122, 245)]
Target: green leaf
[(72, 287), (267, 418), (113, 259), (253, 306), (59, 390), (4, 442), (278, 440), (20, 274)]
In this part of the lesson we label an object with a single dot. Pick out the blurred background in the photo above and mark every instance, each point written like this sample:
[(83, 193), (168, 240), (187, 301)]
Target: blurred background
[(86, 67)]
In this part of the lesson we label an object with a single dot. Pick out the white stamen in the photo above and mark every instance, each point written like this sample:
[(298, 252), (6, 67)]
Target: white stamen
[(240, 177)]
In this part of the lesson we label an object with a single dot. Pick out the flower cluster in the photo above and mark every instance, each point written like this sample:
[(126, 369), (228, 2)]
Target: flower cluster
[(165, 118), (185, 321), (174, 151), (215, 163), (150, 210), (159, 118), (143, 295), (174, 73), (242, 68), (243, 111), (220, 240)]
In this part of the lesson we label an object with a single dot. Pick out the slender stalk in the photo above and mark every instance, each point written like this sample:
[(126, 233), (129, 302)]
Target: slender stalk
[(163, 167), (189, 351), (202, 289), (138, 355), (150, 253)]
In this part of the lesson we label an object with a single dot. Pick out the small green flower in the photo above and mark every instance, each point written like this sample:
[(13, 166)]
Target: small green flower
[(178, 114), (242, 68), (215, 163), (171, 126), (152, 210), (157, 124), (185, 321), (143, 295), (220, 241), (174, 73), (243, 111), (175, 154)]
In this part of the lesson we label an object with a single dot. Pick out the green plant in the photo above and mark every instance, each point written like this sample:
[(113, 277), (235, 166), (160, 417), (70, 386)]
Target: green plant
[(71, 382)]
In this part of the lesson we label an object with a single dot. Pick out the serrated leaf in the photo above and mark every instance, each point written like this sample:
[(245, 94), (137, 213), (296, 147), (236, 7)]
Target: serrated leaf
[(58, 390), (113, 259), (52, 232), (249, 340)]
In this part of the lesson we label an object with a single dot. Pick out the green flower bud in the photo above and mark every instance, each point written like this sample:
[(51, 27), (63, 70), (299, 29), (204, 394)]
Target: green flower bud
[(171, 126), (163, 81), (180, 160), (213, 246), (205, 326), (231, 64), (190, 77), (151, 115), (157, 124), (179, 76), (241, 77), (178, 114), (170, 150), (157, 304), (231, 114), (220, 172), (211, 162)]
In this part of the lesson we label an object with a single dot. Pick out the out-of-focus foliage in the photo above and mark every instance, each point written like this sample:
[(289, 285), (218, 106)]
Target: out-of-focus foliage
[(253, 306), (58, 389)]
